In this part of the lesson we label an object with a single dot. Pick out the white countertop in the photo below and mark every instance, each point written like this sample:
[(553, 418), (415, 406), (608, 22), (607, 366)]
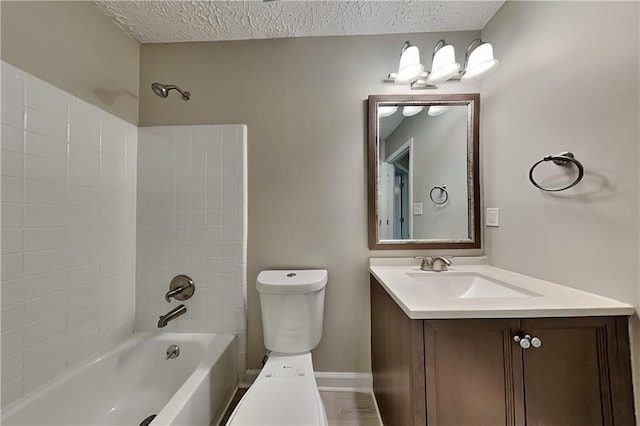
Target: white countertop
[(551, 300)]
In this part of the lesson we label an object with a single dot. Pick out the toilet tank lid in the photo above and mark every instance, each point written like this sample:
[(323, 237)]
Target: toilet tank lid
[(292, 281)]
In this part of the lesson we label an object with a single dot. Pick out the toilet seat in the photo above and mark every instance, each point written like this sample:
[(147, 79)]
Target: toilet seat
[(285, 393), (280, 401)]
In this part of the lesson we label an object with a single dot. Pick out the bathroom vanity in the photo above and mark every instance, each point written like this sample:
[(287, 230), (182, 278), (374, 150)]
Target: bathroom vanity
[(478, 345)]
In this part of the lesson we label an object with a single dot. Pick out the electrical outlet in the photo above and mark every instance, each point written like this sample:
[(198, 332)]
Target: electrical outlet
[(493, 217), (417, 209)]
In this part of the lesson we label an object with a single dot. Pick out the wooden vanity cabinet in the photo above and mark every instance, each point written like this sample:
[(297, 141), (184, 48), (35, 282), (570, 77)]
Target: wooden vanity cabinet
[(471, 372)]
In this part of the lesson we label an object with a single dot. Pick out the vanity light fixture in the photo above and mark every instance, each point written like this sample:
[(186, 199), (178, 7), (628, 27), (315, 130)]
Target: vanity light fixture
[(478, 63), (411, 110)]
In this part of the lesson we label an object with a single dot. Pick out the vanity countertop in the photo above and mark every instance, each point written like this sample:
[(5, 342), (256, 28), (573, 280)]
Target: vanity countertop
[(540, 298)]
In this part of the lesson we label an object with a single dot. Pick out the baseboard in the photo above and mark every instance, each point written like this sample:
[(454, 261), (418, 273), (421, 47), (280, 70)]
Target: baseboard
[(347, 382), (329, 381), (249, 378)]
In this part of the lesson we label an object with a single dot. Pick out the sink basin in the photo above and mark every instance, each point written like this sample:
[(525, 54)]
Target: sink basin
[(466, 285)]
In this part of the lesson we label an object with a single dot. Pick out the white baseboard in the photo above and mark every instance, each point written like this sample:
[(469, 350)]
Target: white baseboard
[(329, 381), (249, 377), (347, 382)]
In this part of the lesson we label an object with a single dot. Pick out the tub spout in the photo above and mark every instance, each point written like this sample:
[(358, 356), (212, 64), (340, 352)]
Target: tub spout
[(171, 315)]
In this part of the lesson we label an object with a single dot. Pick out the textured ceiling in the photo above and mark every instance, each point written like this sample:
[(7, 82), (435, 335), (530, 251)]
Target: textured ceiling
[(152, 21)]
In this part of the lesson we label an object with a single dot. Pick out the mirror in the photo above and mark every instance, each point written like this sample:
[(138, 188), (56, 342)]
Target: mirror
[(423, 178)]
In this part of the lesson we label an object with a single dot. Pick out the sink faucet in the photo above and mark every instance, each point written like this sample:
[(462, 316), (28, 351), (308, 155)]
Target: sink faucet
[(171, 315), (434, 263)]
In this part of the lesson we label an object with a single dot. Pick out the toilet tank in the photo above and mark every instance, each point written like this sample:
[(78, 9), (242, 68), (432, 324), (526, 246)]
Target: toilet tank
[(292, 305)]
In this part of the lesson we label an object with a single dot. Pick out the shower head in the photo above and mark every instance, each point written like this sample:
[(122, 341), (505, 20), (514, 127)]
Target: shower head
[(162, 90)]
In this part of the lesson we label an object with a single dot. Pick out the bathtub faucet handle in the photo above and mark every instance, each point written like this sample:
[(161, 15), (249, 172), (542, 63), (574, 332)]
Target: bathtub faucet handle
[(172, 293), (181, 288)]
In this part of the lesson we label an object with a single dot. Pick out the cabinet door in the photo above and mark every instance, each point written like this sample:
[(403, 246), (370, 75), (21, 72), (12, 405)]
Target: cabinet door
[(577, 377), (397, 361), (474, 373)]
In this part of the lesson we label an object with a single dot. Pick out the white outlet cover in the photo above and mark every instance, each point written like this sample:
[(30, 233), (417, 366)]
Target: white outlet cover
[(417, 209), (492, 218)]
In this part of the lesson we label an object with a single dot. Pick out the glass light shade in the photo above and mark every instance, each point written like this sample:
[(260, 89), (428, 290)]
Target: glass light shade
[(410, 67), (411, 110), (435, 110), (444, 65), (387, 111), (480, 63)]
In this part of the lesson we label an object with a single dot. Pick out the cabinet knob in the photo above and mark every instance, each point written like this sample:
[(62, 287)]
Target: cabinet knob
[(523, 341), (526, 341)]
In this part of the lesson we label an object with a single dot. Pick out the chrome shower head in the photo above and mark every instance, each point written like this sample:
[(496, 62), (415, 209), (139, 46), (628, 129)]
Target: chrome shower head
[(162, 90)]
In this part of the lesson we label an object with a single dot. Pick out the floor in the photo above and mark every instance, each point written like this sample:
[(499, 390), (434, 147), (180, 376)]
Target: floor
[(350, 409), (343, 408)]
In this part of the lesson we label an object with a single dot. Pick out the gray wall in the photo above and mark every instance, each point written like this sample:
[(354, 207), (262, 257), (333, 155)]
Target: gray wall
[(303, 101), (75, 47), (568, 80)]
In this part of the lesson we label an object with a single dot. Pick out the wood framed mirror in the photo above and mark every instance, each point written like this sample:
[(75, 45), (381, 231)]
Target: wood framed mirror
[(423, 172)]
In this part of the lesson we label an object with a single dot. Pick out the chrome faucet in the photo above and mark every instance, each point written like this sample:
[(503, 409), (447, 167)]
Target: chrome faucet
[(171, 315), (434, 263)]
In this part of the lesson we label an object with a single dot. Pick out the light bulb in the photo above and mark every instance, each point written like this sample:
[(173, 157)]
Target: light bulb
[(410, 67), (411, 110), (443, 66), (387, 111), (435, 110), (480, 63)]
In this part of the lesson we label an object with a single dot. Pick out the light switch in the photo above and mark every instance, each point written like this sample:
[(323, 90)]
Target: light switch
[(417, 209)]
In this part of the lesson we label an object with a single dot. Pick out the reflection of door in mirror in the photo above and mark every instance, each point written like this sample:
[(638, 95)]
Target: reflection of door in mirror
[(400, 224), (399, 170), (385, 200)]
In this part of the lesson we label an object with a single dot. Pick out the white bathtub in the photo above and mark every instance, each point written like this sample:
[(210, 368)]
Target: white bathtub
[(135, 380)]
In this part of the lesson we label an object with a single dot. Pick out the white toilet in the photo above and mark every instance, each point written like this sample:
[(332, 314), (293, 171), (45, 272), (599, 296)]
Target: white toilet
[(285, 392)]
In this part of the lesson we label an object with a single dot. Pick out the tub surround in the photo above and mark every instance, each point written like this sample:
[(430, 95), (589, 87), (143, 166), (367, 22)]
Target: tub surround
[(192, 220), (68, 232), (540, 298)]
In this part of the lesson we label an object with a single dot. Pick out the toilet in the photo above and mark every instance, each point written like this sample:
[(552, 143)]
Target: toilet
[(286, 392)]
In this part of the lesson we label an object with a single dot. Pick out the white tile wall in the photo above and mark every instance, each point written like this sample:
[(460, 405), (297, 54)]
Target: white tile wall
[(192, 220), (68, 231)]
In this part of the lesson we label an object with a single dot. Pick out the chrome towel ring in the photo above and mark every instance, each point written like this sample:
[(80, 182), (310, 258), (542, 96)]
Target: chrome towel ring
[(563, 159), (443, 192)]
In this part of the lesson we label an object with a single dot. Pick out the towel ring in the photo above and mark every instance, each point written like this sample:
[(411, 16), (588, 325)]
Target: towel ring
[(443, 190), (562, 159)]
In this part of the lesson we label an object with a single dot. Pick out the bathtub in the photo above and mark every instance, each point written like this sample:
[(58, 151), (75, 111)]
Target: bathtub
[(135, 380)]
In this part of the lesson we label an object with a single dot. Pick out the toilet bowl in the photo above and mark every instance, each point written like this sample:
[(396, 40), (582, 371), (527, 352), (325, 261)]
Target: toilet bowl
[(286, 392)]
